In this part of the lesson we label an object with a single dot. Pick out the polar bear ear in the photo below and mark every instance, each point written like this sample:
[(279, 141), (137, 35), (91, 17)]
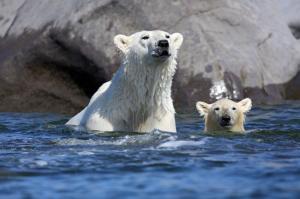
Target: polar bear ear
[(122, 42), (203, 108), (177, 39), (245, 105)]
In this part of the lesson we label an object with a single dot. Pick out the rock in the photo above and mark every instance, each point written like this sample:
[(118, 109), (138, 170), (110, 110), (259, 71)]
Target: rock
[(244, 48), (54, 57), (290, 10)]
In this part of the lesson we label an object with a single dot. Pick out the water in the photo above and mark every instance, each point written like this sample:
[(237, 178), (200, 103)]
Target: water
[(41, 158)]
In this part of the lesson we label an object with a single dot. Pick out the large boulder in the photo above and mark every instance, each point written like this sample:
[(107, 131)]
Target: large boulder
[(54, 55)]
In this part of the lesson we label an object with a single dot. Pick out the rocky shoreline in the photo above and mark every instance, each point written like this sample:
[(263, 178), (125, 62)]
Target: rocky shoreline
[(54, 56)]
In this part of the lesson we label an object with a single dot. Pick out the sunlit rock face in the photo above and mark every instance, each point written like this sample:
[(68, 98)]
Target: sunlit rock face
[(53, 57), (244, 47)]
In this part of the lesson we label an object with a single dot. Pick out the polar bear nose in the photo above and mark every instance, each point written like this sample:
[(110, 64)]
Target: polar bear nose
[(163, 43), (226, 119)]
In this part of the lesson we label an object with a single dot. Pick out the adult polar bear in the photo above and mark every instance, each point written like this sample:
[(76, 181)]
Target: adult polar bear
[(138, 98)]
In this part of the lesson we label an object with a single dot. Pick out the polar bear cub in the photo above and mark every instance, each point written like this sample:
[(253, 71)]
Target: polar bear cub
[(138, 98), (225, 114)]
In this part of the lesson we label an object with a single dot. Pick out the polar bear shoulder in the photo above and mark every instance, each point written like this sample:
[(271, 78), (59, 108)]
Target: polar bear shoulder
[(78, 118)]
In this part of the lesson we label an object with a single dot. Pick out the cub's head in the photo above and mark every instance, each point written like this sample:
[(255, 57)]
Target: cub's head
[(150, 45), (224, 114)]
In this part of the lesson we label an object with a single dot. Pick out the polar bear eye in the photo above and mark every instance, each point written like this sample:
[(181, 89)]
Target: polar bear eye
[(217, 108), (233, 108), (167, 36), (145, 37)]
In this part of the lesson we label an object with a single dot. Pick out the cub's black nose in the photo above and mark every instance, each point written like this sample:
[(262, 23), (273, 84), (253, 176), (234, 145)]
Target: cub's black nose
[(226, 119), (163, 43)]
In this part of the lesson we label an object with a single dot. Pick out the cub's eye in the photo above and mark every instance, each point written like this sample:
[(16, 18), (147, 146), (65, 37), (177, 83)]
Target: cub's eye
[(217, 108), (167, 36), (145, 37), (233, 108)]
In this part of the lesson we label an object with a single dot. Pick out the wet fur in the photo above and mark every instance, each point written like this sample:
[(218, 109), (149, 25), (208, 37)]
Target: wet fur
[(137, 99), (211, 117)]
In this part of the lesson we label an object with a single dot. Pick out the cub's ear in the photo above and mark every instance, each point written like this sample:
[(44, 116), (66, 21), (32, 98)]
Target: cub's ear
[(245, 105), (203, 108), (177, 39), (122, 42)]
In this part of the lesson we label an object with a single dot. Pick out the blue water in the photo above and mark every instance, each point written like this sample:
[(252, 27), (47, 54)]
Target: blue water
[(41, 158)]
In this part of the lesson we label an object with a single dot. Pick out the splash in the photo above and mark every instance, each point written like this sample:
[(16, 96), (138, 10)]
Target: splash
[(218, 90)]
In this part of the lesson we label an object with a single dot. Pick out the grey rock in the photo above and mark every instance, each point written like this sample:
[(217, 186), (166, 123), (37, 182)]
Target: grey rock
[(290, 10), (55, 54)]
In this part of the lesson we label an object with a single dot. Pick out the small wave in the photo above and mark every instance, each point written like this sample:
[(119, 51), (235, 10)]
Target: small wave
[(36, 162), (85, 153), (41, 163), (153, 138), (76, 141), (180, 143)]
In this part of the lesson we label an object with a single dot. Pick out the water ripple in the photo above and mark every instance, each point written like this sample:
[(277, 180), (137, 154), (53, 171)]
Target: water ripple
[(42, 158)]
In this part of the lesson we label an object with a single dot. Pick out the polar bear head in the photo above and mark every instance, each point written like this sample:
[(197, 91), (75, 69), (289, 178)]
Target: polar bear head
[(150, 46), (224, 114)]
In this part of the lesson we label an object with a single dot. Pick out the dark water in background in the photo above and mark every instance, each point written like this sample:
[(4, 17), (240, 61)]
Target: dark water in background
[(41, 158)]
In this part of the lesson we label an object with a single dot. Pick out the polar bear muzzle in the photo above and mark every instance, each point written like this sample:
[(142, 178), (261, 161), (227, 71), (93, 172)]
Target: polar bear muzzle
[(225, 121), (162, 49)]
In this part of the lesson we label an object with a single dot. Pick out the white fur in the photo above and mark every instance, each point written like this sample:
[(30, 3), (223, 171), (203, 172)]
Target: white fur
[(138, 98), (213, 114)]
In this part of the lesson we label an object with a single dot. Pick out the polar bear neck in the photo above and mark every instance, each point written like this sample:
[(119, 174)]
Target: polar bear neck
[(146, 86)]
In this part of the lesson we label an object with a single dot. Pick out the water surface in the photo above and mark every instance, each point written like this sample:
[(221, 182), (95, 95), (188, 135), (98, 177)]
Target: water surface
[(42, 158)]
